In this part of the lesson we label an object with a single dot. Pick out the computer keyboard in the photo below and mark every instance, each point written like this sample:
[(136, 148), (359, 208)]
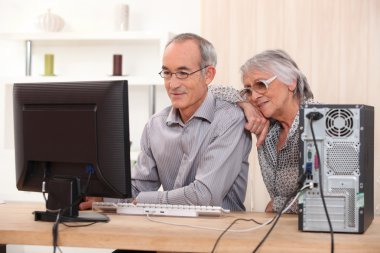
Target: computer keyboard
[(159, 209)]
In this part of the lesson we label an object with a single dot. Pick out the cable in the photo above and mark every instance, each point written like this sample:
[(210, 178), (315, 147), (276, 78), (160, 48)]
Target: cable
[(313, 117), (43, 189), (55, 233), (225, 231), (61, 211), (246, 230), (283, 209), (216, 229), (275, 218), (81, 225), (310, 186), (261, 225)]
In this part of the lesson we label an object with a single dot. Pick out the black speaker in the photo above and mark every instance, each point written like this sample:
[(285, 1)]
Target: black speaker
[(344, 136)]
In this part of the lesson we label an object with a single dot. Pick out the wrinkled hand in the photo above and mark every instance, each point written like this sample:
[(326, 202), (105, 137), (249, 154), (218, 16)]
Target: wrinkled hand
[(87, 203), (256, 122), (269, 208)]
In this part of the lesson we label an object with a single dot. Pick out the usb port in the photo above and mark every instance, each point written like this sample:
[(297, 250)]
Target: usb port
[(309, 167), (309, 170)]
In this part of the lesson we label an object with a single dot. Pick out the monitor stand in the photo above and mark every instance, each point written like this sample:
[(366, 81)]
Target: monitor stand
[(64, 194)]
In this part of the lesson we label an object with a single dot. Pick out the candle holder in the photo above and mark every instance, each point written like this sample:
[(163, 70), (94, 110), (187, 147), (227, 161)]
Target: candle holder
[(117, 65), (49, 65)]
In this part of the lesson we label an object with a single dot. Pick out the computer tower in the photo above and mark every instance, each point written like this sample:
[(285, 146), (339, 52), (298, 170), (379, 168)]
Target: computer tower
[(344, 136)]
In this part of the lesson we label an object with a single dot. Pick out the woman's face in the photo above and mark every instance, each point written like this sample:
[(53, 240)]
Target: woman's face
[(273, 101)]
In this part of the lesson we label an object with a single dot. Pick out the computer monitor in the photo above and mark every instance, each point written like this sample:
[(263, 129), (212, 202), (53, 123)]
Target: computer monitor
[(72, 139)]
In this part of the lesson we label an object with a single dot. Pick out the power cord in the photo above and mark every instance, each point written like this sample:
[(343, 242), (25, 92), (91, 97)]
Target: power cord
[(225, 231), (296, 193), (275, 218), (55, 233), (316, 116), (214, 228)]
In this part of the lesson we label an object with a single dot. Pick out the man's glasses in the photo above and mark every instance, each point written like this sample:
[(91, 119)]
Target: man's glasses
[(166, 74), (260, 86)]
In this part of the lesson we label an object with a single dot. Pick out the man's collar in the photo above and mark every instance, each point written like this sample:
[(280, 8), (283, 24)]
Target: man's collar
[(205, 111)]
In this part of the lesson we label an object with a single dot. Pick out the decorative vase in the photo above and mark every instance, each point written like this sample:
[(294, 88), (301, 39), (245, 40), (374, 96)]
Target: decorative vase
[(121, 17), (49, 64), (117, 65), (49, 22)]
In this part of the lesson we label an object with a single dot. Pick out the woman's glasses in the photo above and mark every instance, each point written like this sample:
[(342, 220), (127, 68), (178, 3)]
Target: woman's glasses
[(260, 86)]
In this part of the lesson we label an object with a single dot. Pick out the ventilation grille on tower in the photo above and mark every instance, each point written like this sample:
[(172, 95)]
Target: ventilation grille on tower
[(342, 158), (349, 194), (339, 122)]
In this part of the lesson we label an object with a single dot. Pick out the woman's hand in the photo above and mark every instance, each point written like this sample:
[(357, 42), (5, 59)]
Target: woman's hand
[(256, 122), (269, 208)]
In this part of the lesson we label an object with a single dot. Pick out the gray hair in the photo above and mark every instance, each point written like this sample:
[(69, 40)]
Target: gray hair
[(207, 50), (279, 63)]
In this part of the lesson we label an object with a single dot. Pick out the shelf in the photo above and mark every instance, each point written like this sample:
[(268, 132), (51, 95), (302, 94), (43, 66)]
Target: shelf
[(132, 80), (85, 36)]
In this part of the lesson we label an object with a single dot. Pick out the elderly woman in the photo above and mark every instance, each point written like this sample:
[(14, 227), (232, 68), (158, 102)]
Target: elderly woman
[(274, 85)]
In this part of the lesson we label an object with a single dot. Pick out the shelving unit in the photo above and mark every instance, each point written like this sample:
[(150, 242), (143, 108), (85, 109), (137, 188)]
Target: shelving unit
[(87, 56), (76, 36), (52, 38), (58, 39)]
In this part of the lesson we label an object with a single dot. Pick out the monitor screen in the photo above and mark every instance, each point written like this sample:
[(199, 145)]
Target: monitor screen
[(72, 139)]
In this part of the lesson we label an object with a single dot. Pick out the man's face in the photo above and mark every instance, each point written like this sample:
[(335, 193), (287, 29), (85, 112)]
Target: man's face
[(185, 94)]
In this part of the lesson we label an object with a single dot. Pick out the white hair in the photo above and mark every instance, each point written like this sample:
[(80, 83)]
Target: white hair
[(279, 63)]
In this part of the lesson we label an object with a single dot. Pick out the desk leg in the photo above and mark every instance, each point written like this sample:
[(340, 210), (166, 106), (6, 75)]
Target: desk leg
[(3, 248)]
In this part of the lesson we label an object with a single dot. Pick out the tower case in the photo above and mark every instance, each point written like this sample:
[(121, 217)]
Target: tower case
[(344, 136)]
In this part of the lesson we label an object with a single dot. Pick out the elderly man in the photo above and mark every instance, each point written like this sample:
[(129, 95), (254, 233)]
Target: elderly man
[(196, 148)]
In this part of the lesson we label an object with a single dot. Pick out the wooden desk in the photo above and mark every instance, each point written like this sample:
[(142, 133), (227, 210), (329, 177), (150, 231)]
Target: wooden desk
[(136, 232)]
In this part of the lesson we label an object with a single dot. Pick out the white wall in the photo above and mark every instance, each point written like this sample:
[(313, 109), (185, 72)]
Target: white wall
[(89, 15), (19, 16)]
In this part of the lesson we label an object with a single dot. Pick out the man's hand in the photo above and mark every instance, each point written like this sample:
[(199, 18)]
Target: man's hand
[(87, 203), (256, 122)]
